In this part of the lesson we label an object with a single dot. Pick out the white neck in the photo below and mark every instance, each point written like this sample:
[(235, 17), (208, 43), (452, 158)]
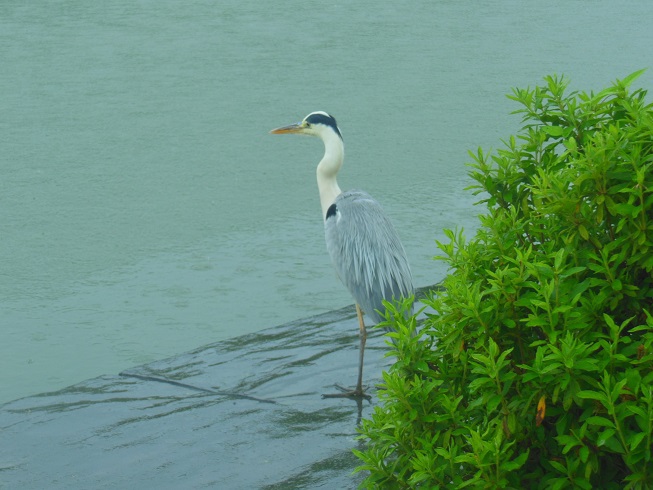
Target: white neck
[(327, 169)]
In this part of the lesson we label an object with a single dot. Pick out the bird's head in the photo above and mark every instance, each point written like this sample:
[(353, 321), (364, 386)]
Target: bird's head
[(318, 124)]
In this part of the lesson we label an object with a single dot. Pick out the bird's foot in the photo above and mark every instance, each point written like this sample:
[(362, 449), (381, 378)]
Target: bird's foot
[(357, 393)]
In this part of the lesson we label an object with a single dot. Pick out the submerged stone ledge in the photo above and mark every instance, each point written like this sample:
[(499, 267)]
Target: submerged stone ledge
[(246, 412)]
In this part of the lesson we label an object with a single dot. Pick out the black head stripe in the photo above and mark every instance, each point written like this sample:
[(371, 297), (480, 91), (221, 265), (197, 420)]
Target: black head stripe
[(327, 120), (331, 211)]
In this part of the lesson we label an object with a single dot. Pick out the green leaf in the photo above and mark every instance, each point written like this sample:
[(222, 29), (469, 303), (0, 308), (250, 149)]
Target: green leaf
[(605, 436), (636, 439), (571, 145), (558, 467), (555, 131), (611, 443), (632, 77), (516, 463), (600, 421), (636, 410), (586, 365), (593, 395), (493, 402)]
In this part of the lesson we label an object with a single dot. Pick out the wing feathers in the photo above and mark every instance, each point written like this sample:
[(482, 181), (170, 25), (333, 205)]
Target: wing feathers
[(366, 252)]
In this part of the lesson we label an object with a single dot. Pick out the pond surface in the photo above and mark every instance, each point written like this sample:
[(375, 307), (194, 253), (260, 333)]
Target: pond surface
[(147, 211)]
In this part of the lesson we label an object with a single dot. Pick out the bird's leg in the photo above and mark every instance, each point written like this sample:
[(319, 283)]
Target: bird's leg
[(361, 354), (358, 392)]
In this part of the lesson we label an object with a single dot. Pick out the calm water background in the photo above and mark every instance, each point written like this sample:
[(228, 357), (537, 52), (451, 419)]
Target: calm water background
[(146, 211)]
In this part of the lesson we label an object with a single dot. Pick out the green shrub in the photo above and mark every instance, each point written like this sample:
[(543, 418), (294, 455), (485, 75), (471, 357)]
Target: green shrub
[(536, 371)]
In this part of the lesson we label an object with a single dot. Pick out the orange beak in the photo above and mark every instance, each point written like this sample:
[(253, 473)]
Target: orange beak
[(293, 128)]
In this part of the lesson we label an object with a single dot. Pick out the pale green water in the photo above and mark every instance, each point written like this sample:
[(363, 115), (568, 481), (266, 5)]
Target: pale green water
[(145, 209)]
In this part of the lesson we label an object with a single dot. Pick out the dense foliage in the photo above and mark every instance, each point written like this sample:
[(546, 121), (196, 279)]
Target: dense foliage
[(536, 371)]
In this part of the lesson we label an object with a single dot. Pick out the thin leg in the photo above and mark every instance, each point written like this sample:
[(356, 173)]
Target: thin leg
[(358, 392), (361, 353)]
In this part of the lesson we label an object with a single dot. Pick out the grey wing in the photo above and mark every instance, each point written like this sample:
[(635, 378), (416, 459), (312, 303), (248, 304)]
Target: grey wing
[(366, 252)]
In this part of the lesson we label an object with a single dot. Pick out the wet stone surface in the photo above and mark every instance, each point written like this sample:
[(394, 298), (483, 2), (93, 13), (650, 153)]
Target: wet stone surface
[(242, 413)]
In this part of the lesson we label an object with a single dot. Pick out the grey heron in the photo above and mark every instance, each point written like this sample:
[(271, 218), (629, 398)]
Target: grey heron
[(364, 247)]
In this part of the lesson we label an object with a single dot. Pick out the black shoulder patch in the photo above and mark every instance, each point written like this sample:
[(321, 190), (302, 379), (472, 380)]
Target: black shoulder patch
[(331, 211)]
